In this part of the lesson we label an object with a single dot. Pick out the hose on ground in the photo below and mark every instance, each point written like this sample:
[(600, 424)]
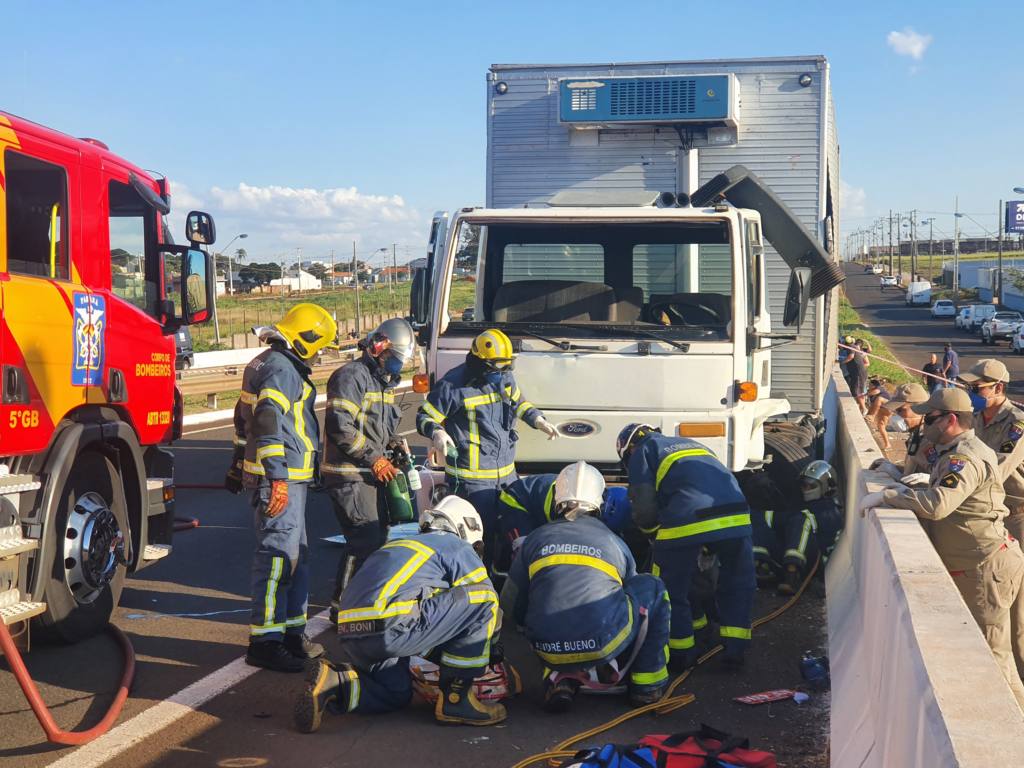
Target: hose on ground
[(669, 701), (55, 733)]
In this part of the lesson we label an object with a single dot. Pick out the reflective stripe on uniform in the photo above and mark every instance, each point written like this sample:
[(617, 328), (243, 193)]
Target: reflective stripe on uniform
[(672, 458), (252, 468), (704, 526), (380, 608), (434, 414), (649, 678), (299, 409), (238, 440), (353, 688), (805, 535), (523, 407), (480, 474), (343, 404), (769, 517), (682, 644), (509, 500), (265, 629), (296, 621), (270, 600), (342, 469), (611, 649), (700, 623), (249, 398), (581, 560), (739, 633), (549, 501), (471, 404), (267, 451), (276, 397), (473, 577), (300, 474)]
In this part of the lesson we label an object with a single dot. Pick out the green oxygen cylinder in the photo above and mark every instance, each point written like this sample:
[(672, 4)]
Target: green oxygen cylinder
[(399, 503)]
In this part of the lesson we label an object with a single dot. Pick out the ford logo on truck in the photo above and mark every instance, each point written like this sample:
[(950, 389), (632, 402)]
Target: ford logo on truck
[(577, 428)]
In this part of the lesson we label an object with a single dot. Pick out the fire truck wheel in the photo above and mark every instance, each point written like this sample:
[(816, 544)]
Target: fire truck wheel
[(90, 531)]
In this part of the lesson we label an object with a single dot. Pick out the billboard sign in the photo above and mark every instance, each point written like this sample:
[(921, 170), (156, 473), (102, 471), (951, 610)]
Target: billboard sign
[(1015, 217)]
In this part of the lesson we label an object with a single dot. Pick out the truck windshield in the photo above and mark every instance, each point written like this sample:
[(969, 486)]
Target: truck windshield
[(601, 280)]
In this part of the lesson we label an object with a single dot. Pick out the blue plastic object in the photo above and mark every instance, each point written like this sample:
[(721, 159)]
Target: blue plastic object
[(814, 669), (617, 512)]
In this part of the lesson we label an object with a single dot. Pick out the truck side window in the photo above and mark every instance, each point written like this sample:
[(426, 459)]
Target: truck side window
[(132, 236), (37, 217), (755, 253)]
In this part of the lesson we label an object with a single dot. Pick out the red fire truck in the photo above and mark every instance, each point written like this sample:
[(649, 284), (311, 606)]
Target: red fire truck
[(92, 291)]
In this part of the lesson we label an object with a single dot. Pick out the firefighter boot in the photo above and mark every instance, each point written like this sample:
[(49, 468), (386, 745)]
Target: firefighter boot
[(299, 645), (458, 705), (790, 582), (559, 693), (325, 686), (272, 655), (642, 695)]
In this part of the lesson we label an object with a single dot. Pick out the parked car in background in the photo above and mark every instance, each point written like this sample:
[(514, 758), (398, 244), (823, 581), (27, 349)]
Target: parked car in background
[(979, 314), (1002, 325), (890, 281), (877, 269), (919, 292), (943, 308), (184, 357), (869, 268)]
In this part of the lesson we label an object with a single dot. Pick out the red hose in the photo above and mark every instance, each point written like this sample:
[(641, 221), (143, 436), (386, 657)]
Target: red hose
[(53, 732)]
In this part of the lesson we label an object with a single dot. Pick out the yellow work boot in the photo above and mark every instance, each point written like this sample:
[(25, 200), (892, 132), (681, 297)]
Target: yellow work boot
[(458, 705), (325, 686)]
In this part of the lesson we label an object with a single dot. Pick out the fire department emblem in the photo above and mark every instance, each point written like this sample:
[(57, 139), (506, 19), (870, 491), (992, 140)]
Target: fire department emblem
[(1016, 431), (90, 321), (957, 463)]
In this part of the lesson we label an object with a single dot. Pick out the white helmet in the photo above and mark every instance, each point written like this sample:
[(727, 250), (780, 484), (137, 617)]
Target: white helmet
[(454, 515), (579, 490)]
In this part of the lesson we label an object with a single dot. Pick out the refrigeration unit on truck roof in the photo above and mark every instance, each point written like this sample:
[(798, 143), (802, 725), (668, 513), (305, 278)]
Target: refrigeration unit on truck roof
[(605, 101)]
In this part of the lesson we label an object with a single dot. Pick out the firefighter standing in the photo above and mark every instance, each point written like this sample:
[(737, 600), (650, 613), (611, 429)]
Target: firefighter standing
[(424, 596), (470, 417), (582, 602), (965, 502), (1000, 425), (360, 424), (276, 440), (686, 499)]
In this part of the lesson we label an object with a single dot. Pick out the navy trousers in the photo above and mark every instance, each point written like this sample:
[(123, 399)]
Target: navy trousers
[(280, 573)]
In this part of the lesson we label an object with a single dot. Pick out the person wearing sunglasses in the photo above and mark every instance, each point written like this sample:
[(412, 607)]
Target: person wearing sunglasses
[(1000, 425), (964, 502)]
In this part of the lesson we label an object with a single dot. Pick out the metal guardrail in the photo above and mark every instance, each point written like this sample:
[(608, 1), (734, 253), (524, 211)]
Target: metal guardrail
[(212, 382)]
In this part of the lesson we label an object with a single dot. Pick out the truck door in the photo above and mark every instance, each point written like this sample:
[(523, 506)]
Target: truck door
[(758, 320), (425, 283), (48, 348)]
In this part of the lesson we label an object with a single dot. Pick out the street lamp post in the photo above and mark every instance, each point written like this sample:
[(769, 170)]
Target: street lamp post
[(226, 249), (931, 247)]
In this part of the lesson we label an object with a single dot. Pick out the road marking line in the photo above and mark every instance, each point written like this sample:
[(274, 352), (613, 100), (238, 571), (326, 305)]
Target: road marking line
[(154, 719)]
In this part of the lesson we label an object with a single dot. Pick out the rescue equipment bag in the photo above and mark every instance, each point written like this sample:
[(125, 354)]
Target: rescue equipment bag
[(704, 748)]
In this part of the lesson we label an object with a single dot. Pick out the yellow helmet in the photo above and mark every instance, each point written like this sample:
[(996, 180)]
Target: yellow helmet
[(494, 348), (308, 329)]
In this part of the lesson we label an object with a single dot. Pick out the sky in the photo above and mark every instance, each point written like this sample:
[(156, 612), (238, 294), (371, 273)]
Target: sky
[(314, 124)]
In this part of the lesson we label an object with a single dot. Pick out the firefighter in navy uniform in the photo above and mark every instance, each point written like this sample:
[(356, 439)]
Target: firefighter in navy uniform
[(359, 426), (423, 596), (276, 441), (582, 602), (470, 416), (686, 499), (526, 504)]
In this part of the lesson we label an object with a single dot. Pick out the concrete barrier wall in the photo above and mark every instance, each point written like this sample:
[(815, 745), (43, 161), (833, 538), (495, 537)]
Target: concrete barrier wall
[(913, 681), (226, 357)]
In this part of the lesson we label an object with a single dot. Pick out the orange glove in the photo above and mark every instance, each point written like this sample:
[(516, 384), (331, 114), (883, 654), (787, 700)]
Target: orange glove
[(384, 470), (278, 498)]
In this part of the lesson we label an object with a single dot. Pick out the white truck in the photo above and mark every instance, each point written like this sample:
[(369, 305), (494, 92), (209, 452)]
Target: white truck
[(631, 291), (919, 292)]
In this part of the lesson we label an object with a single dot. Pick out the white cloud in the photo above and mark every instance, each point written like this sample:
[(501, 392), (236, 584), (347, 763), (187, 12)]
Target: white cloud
[(852, 201), (909, 43), (279, 219)]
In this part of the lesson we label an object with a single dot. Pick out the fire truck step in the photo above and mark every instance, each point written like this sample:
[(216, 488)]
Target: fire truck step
[(16, 612), (156, 551), (13, 543), (18, 484)]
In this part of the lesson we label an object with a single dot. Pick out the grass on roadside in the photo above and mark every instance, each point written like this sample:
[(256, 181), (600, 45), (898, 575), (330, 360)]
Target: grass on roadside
[(850, 324)]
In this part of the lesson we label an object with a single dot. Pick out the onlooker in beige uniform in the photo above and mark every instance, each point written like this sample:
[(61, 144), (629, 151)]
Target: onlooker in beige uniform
[(1001, 426), (965, 499), (921, 454)]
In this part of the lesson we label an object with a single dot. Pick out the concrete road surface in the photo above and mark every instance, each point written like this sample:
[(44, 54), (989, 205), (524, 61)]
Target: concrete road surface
[(187, 618)]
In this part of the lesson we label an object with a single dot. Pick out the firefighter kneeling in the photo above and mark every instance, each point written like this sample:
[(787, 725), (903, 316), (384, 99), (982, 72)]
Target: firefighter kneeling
[(425, 596), (582, 602)]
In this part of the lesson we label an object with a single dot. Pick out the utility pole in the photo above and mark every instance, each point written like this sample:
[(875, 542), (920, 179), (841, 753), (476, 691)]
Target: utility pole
[(334, 278), (355, 273), (913, 245), (890, 241), (394, 265), (999, 268), (956, 250)]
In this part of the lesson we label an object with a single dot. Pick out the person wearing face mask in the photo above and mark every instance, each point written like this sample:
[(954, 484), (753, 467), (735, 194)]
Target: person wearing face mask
[(360, 426), (470, 416), (921, 453), (1000, 425), (964, 501)]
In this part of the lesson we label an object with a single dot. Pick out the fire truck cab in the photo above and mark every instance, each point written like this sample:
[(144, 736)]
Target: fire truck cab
[(92, 291)]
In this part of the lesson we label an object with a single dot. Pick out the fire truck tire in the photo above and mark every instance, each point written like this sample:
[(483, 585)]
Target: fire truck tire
[(85, 583), (789, 458)]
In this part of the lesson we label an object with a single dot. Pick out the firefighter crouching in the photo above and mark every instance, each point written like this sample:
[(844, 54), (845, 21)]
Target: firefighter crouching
[(687, 500), (276, 441), (470, 416), (582, 602), (359, 426), (424, 596), (964, 499)]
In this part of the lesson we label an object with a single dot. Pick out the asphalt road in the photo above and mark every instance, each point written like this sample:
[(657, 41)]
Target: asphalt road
[(912, 334), (187, 617)]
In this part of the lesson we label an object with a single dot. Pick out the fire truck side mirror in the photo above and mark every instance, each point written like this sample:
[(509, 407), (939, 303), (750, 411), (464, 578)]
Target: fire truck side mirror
[(196, 287), (200, 229)]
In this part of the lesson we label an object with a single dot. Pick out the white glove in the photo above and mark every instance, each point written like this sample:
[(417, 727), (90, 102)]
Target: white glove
[(546, 427), (870, 501), (886, 466), (917, 480), (442, 441)]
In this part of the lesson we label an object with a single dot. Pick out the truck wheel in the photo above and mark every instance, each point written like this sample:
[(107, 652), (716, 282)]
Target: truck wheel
[(89, 534), (789, 458)]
